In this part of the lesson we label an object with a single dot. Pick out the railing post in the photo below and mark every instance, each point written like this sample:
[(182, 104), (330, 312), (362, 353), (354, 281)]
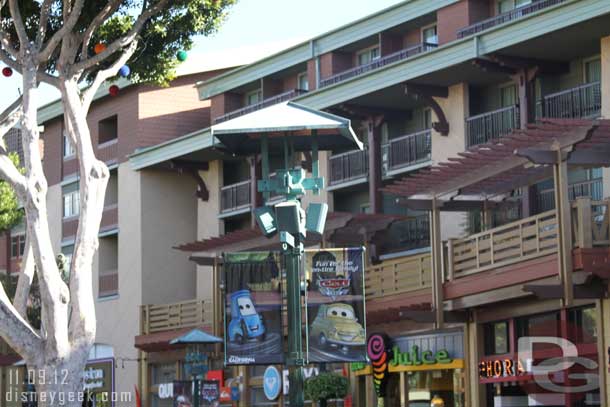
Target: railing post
[(583, 221), (450, 260)]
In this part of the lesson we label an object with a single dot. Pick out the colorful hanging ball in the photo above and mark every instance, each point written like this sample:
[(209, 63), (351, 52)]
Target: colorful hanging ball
[(7, 71), (99, 48), (113, 90), (124, 71), (181, 55)]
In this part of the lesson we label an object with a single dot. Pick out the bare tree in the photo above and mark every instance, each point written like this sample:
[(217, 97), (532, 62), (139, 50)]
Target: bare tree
[(51, 41)]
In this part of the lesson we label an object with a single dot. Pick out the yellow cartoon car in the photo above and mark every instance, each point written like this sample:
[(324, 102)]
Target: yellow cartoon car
[(336, 325)]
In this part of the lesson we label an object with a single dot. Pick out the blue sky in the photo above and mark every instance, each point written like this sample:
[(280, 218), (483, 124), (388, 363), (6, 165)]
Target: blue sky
[(251, 23)]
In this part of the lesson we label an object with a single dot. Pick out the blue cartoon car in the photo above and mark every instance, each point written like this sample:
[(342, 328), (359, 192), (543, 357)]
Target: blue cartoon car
[(245, 322)]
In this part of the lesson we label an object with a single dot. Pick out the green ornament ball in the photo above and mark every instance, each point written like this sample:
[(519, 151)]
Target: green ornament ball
[(181, 55)]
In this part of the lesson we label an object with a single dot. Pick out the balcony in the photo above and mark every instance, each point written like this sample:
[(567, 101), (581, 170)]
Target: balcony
[(235, 198), (403, 152), (491, 125), (108, 283), (108, 152), (507, 17), (591, 188), (282, 97), (378, 63), (110, 221), (187, 314), (399, 276), (348, 167), (581, 102)]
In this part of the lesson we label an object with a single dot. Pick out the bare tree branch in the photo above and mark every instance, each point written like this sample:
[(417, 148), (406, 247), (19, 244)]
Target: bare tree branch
[(66, 28), (24, 283), (7, 46), (44, 19), (16, 331), (123, 41), (99, 19), (103, 75), (19, 25)]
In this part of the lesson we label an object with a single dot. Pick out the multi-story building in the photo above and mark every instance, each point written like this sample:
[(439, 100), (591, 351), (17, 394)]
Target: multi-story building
[(426, 84)]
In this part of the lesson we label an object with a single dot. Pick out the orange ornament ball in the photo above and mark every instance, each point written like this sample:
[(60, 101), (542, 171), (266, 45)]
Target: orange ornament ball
[(99, 48)]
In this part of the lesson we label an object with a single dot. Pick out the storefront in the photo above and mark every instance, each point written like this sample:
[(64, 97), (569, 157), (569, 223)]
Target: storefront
[(422, 367), (545, 359)]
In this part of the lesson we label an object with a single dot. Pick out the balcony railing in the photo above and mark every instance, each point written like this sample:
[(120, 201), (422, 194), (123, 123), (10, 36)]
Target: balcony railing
[(593, 189), (408, 150), (491, 125), (348, 166), (506, 17), (108, 283), (378, 63), (398, 276), (282, 97), (235, 197), (195, 313), (583, 101)]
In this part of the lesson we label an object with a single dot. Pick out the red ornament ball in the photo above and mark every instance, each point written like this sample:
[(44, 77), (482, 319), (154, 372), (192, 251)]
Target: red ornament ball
[(7, 71), (99, 48), (113, 90)]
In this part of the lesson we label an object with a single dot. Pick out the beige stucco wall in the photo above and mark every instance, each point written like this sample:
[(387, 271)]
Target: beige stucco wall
[(54, 210), (118, 318)]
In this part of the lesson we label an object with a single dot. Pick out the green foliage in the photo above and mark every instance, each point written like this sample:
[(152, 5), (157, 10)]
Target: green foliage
[(326, 386), (160, 39), (10, 213)]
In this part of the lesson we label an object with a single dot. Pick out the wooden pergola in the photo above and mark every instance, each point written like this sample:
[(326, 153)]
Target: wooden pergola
[(486, 174)]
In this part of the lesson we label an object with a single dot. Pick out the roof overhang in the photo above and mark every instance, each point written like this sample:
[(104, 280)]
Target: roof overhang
[(301, 124)]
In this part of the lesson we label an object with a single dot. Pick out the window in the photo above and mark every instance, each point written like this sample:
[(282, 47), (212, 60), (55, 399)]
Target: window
[(303, 81), (582, 327), (508, 95), (253, 97), (71, 203), (108, 130), (69, 149), (17, 246), (538, 325), (427, 119), (504, 6), (429, 35), (368, 55), (593, 70), (496, 338), (67, 252)]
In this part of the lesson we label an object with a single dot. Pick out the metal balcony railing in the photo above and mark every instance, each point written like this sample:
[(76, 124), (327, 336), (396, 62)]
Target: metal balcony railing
[(282, 97), (591, 188), (378, 63), (506, 17), (491, 125), (348, 166), (581, 102), (235, 197), (408, 150)]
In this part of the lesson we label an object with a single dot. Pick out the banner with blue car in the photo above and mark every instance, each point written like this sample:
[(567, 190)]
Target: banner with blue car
[(336, 324), (253, 306)]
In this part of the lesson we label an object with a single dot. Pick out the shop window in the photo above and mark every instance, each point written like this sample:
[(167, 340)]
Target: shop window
[(496, 338), (582, 325), (108, 130), (303, 81), (17, 246)]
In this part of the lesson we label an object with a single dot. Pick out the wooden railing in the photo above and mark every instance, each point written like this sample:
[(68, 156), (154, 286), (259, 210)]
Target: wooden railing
[(514, 242), (270, 101), (378, 63), (235, 196), (506, 17), (195, 313), (398, 276), (583, 101), (348, 166), (408, 150), (491, 125)]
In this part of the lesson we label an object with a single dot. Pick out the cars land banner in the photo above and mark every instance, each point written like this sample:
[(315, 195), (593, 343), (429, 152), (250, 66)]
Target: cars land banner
[(253, 305), (336, 322)]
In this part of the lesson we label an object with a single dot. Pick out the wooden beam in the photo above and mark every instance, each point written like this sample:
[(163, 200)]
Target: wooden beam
[(426, 95), (581, 291), (426, 90), (544, 66), (493, 67)]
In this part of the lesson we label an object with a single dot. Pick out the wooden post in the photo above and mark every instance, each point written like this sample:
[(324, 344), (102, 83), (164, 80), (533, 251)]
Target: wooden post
[(256, 198), (374, 141), (583, 221), (486, 221), (450, 260), (564, 221), (602, 346), (404, 391), (437, 266)]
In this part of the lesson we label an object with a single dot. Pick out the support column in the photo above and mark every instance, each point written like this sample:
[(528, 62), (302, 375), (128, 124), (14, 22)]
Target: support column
[(256, 198), (374, 141), (525, 91), (475, 393), (437, 264), (528, 203), (604, 340), (564, 221)]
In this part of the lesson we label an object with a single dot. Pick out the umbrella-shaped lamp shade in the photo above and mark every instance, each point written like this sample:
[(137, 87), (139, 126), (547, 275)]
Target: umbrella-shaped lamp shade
[(242, 135), (196, 336)]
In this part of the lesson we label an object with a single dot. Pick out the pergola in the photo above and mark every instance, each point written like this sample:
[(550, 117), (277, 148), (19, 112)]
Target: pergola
[(485, 174)]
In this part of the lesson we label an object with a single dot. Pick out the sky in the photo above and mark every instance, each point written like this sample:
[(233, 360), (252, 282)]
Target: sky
[(252, 30)]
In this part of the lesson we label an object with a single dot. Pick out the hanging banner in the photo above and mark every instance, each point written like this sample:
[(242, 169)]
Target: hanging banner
[(253, 305), (183, 393), (336, 318)]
